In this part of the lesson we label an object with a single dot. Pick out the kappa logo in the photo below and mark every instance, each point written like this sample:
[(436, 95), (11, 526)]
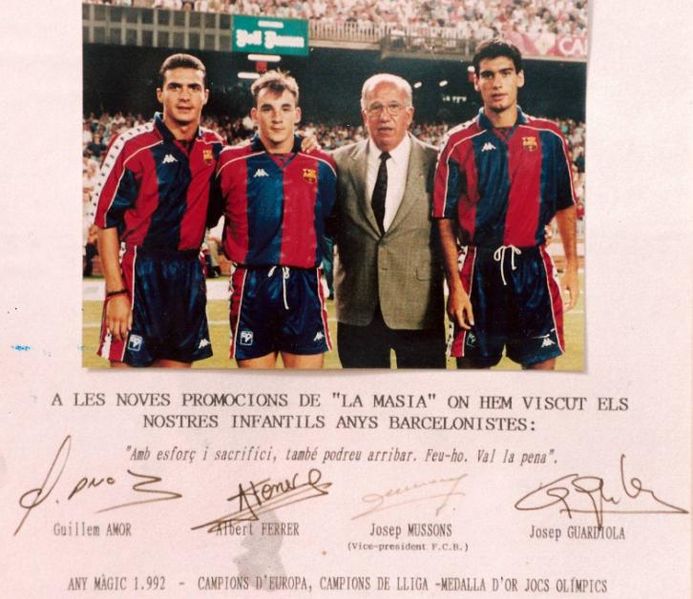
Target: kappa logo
[(203, 343), (135, 343), (168, 159), (470, 339), (246, 338), (318, 336), (547, 342), (488, 146), (261, 172)]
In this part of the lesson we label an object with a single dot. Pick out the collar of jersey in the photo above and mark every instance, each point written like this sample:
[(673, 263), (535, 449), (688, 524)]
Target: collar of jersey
[(258, 146), (164, 131), (485, 123)]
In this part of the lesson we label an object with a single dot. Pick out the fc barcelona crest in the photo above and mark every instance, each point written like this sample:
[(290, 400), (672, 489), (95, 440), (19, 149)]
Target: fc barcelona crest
[(530, 143), (207, 156), (309, 175)]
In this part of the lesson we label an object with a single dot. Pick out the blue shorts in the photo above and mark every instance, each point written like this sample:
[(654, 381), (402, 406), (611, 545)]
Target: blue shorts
[(168, 295), (277, 309), (517, 305)]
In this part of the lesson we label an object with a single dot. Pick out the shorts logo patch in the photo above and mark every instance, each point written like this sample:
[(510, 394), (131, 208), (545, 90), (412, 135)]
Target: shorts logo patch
[(547, 342), (207, 156), (470, 339), (246, 338), (135, 343), (318, 336), (309, 175), (530, 143), (203, 343)]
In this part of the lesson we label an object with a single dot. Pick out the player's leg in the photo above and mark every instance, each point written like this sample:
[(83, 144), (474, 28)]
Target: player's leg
[(303, 335), (164, 363), (545, 365), (250, 317), (537, 336), (267, 361), (482, 345), (311, 362)]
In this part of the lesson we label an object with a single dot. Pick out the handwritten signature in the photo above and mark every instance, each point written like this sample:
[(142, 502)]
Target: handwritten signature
[(33, 498), (407, 494), (572, 489), (254, 500), (263, 496)]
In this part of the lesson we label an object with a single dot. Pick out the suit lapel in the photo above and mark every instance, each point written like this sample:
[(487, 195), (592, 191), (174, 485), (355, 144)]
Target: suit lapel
[(415, 186), (357, 172)]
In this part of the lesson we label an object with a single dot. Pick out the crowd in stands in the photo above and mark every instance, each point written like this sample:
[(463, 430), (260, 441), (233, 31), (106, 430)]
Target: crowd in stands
[(98, 131), (472, 19)]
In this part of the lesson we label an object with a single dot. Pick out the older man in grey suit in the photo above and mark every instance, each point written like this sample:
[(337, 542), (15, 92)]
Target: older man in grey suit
[(388, 274)]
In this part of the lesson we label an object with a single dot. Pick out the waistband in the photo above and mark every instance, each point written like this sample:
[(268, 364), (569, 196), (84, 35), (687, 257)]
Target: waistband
[(145, 252)]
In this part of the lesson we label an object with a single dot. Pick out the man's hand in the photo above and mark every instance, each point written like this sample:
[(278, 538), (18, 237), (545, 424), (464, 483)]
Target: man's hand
[(460, 309), (309, 144), (118, 316), (570, 286)]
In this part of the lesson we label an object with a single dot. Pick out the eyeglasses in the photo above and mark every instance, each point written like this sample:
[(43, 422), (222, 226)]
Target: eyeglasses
[(393, 108)]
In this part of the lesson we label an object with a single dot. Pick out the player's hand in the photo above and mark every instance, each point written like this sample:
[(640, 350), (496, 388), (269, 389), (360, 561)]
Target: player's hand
[(570, 286), (460, 309), (118, 316), (309, 144)]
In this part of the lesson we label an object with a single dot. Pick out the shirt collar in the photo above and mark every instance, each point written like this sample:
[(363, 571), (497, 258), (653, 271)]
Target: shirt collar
[(165, 131), (258, 146), (399, 154), (485, 123)]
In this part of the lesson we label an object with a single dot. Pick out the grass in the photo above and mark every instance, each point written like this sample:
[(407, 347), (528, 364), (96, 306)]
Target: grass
[(217, 313)]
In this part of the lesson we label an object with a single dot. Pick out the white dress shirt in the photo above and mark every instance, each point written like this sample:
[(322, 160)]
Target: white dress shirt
[(396, 176)]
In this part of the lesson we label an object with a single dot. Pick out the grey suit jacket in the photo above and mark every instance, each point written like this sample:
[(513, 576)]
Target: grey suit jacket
[(402, 269)]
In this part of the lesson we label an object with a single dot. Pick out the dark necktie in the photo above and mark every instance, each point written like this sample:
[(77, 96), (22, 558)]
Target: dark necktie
[(380, 191)]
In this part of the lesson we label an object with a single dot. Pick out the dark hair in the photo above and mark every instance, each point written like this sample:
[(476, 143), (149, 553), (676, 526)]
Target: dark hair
[(494, 48), (277, 81), (182, 61)]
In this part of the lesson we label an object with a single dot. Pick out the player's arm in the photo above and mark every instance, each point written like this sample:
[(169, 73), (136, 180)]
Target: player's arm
[(459, 305), (567, 229), (118, 306)]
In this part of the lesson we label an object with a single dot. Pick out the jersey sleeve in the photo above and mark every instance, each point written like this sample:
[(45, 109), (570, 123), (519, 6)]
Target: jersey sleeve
[(565, 192), (447, 184), (116, 187)]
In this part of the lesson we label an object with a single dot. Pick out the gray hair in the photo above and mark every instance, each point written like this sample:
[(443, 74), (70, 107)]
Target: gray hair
[(397, 81)]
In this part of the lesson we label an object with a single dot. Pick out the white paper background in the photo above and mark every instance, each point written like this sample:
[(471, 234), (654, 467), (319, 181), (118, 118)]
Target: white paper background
[(638, 290)]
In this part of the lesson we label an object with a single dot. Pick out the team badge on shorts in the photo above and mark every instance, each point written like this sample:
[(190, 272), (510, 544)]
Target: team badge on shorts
[(246, 338), (309, 175), (530, 143), (135, 343), (207, 156)]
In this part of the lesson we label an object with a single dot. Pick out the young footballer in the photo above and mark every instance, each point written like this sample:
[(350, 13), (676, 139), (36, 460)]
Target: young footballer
[(275, 200), (152, 198), (500, 179)]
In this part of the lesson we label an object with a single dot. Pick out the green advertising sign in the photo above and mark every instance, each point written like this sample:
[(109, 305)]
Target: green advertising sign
[(266, 35)]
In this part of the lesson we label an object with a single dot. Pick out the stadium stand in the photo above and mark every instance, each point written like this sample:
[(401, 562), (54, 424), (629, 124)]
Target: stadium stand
[(538, 27)]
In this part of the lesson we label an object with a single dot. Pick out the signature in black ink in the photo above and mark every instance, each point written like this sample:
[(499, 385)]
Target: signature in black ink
[(33, 498), (407, 494), (578, 494), (263, 496)]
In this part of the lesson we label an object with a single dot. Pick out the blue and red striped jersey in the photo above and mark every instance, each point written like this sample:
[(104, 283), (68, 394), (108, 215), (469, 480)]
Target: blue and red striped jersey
[(275, 206), (503, 189), (156, 189)]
